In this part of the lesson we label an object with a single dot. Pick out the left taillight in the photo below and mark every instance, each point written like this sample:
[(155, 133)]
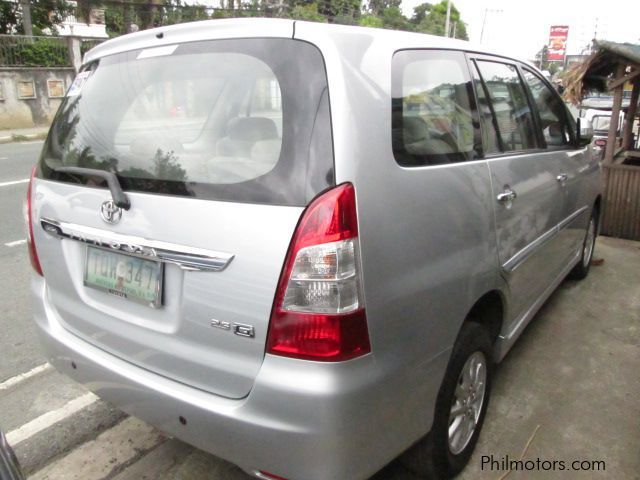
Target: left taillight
[(33, 254)]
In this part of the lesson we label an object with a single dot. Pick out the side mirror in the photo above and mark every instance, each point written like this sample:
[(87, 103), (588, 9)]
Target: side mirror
[(585, 132)]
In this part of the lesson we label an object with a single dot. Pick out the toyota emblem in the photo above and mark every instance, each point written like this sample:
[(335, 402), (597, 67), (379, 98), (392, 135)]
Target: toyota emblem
[(110, 212)]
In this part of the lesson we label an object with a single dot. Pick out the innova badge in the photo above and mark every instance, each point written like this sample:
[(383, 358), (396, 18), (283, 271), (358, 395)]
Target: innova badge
[(110, 212)]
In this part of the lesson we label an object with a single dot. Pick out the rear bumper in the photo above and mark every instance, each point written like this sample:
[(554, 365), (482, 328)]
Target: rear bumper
[(302, 420)]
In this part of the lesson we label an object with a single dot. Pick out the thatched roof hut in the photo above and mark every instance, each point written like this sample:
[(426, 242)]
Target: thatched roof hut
[(608, 69), (594, 73)]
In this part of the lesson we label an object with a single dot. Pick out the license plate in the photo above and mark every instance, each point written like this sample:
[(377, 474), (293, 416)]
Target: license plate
[(124, 276)]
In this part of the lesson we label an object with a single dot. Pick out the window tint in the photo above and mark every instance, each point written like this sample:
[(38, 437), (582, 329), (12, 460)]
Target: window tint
[(220, 120), (509, 101), (490, 140), (431, 117), (552, 113)]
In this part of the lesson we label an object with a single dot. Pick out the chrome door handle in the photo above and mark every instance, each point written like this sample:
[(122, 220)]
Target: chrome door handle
[(508, 195), (563, 177)]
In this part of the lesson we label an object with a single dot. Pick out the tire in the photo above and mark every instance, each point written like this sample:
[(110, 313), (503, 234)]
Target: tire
[(439, 456), (581, 270)]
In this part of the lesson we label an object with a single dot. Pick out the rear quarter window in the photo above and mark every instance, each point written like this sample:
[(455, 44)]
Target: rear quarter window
[(432, 119)]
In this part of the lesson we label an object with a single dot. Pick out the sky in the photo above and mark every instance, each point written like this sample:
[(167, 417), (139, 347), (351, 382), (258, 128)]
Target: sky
[(520, 28)]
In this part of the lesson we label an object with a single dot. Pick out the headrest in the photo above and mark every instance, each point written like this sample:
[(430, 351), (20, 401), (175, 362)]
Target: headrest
[(252, 129), (415, 128)]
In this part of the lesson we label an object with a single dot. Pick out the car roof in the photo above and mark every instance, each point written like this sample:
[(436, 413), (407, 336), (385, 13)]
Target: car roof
[(274, 28)]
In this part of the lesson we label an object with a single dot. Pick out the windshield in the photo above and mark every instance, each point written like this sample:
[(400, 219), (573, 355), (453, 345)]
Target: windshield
[(239, 120)]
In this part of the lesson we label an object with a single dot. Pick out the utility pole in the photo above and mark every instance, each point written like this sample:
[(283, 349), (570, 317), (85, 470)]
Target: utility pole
[(484, 20), (26, 18), (448, 19)]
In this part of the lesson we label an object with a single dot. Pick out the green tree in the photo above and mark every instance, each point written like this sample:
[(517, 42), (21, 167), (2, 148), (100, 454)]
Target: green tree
[(377, 7), (393, 18), (341, 11), (420, 12), (370, 21), (45, 14), (175, 11), (308, 12), (431, 19)]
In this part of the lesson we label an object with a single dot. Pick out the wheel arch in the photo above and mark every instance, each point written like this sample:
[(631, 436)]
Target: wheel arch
[(489, 311)]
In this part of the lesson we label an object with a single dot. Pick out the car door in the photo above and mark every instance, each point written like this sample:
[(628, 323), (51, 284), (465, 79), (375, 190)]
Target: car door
[(558, 132), (527, 198)]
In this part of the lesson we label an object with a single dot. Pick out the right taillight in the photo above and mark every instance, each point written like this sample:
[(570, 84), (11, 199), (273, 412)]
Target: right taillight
[(318, 312), (601, 142), (31, 246)]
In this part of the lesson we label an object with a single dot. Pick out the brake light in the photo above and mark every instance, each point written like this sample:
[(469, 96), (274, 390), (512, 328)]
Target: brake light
[(270, 476), (318, 312), (31, 246), (600, 142)]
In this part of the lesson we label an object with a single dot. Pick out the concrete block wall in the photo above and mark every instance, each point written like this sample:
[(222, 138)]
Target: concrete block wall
[(18, 112)]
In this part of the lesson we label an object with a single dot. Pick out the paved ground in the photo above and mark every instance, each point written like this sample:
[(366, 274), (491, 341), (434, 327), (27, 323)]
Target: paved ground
[(569, 390), (18, 349)]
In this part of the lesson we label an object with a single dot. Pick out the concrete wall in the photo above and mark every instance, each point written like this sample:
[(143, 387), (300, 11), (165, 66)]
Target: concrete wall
[(18, 112)]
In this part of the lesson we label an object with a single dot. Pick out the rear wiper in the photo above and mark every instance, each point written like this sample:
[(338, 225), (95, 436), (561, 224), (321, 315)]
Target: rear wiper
[(119, 197)]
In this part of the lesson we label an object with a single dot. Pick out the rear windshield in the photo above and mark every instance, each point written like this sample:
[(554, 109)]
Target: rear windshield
[(237, 120)]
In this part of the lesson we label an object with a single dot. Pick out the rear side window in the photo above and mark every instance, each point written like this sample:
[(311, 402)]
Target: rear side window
[(510, 105), (432, 121), (222, 120), (551, 111)]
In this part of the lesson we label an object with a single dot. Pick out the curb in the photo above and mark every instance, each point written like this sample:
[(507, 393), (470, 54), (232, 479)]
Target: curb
[(23, 138)]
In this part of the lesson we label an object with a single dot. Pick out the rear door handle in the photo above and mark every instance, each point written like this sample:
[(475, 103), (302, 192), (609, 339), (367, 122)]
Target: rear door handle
[(508, 195), (562, 178)]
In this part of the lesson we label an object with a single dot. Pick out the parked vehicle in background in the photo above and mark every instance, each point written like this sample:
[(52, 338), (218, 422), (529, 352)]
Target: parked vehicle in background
[(601, 120), (302, 247), (9, 466)]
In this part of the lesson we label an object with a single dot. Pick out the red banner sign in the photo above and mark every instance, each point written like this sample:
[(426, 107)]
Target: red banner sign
[(558, 42)]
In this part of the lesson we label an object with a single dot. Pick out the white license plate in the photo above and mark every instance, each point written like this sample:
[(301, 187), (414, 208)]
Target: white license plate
[(125, 276)]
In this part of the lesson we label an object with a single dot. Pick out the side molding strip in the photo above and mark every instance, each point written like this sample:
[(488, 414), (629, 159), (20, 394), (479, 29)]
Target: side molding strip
[(515, 261)]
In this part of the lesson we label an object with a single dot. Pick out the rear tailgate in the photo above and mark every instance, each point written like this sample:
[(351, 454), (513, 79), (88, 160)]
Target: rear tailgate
[(218, 145), (177, 339)]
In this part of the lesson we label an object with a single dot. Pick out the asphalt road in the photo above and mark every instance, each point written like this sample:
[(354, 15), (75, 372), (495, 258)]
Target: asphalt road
[(19, 347), (29, 388)]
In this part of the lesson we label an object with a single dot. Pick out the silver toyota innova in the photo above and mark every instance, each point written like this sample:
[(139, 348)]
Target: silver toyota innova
[(302, 247)]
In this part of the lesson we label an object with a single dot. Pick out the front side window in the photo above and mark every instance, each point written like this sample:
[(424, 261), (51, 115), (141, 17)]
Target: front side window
[(432, 122), (551, 111), (510, 105)]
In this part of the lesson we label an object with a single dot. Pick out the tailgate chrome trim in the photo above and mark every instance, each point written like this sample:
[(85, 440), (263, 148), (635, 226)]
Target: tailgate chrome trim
[(187, 258)]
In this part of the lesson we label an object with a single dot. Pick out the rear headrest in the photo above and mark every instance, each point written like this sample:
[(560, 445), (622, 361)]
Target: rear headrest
[(252, 129), (415, 128)]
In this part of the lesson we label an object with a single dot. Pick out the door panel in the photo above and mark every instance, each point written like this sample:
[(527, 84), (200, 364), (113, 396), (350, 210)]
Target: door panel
[(558, 134), (528, 247), (527, 197)]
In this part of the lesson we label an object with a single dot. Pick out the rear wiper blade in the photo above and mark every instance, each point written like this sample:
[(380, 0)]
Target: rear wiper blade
[(119, 197)]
